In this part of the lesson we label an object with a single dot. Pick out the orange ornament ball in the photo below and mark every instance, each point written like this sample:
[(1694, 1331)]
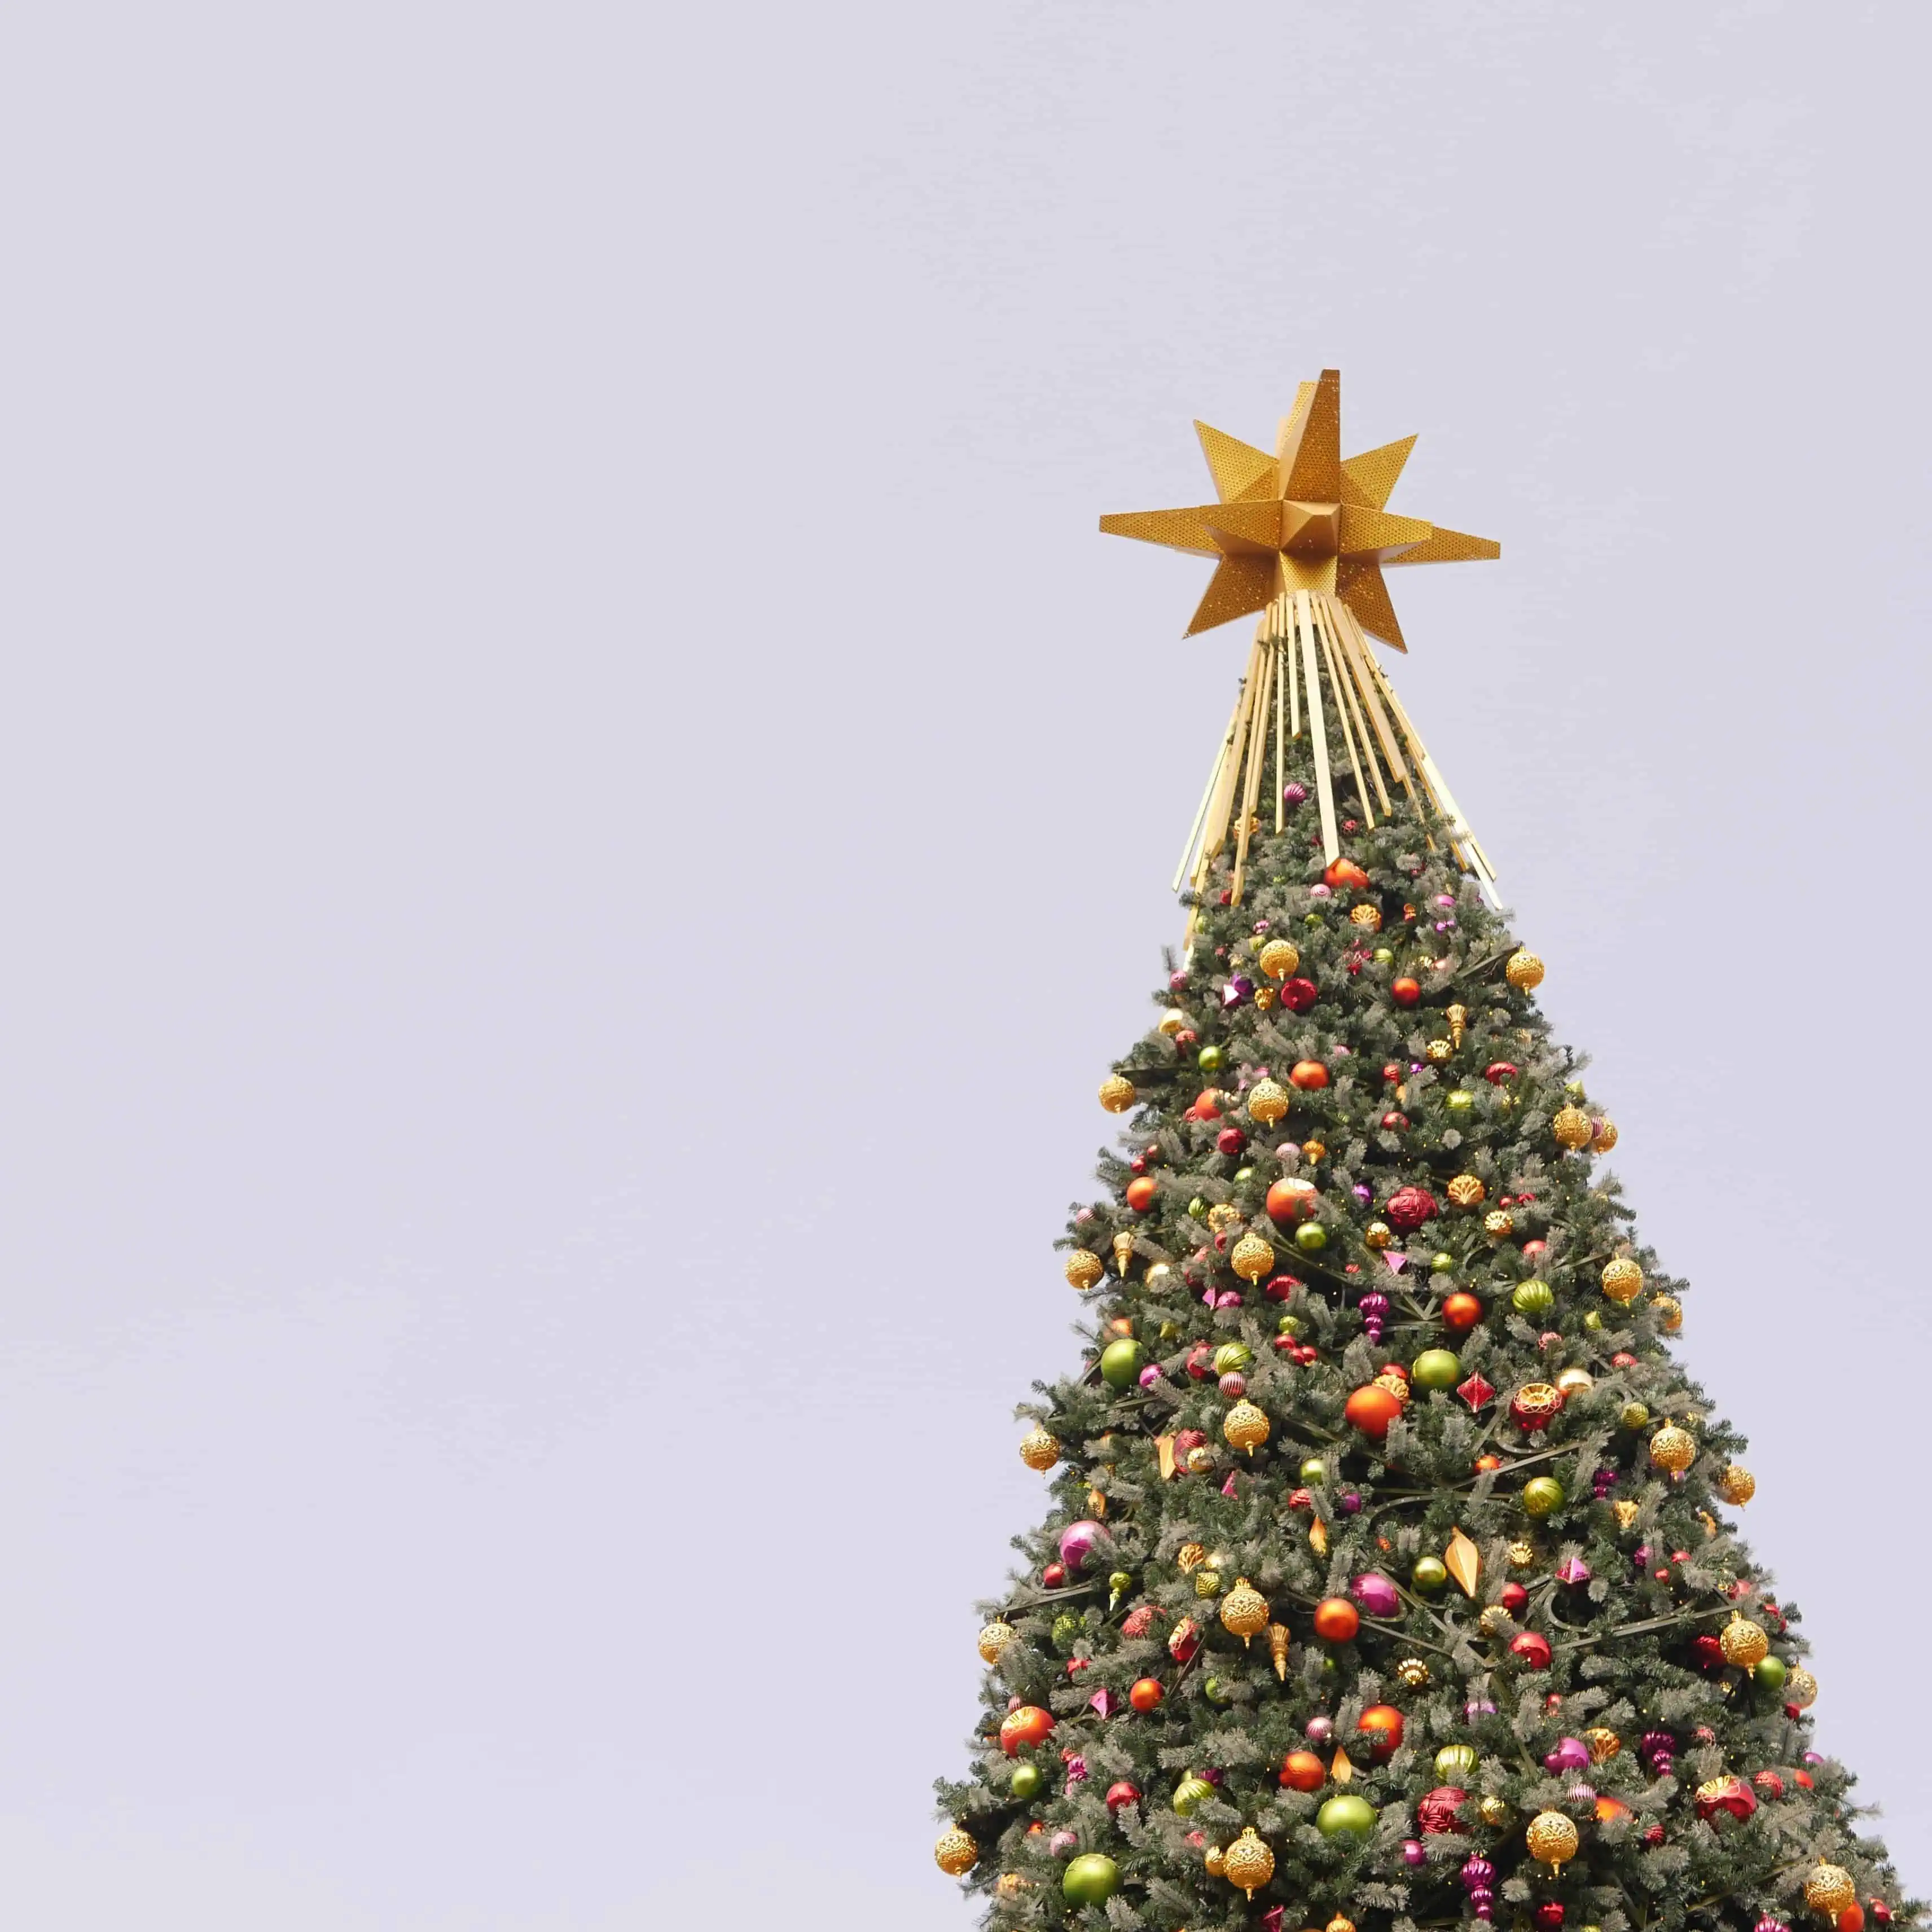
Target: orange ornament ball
[(1344, 874), (1487, 1462), (1303, 1771), (1291, 1198), (1146, 1694), (1381, 1724), (1141, 1193), (1405, 991), (1310, 1075), (1462, 1311), (1371, 1408), (1207, 1104), (1028, 1725), (1336, 1620)]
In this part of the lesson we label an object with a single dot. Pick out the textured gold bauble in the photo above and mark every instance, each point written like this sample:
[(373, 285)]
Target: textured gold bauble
[(1743, 1643), (1623, 1279), (1670, 1312), (1244, 1611), (1313, 1151), (1551, 1837), (1829, 1889), (1117, 1093), (1524, 971), (1189, 1557), (1039, 1450), (1737, 1485), (1437, 1051), (1626, 1513), (1264, 999), (1672, 1448), (1396, 1385), (1458, 1017), (1216, 1859), (1096, 1502), (1247, 1427), (1603, 1744), (1124, 1253), (955, 1852), (1413, 1672), (993, 1641), (1801, 1688), (1339, 1924), (1498, 1223), (1377, 1235), (1536, 1405), (1571, 1127), (1494, 1810), (1603, 1135), (1221, 1216), (1172, 1021), (1278, 958), (1267, 1101), (1574, 1382), (1207, 1584), (1084, 1268), (1467, 1190), (1367, 916), (1010, 1884), (1496, 1622), (1277, 1635), (1521, 1556), (1200, 1460), (1251, 1257), (1248, 1862)]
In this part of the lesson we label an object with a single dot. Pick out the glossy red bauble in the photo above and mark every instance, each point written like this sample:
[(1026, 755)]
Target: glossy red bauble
[(1514, 1598), (1310, 1075), (1028, 1725), (1122, 1793), (1371, 1409), (1461, 1310), (1344, 875), (1054, 1576), (1230, 1140), (1303, 1771), (1281, 1287), (1394, 1122), (1498, 1071), (1531, 1648), (1298, 995), (1435, 1812), (1405, 991), (1408, 1207), (1291, 1199), (1140, 1193), (1201, 1366), (1549, 1915), (1146, 1693), (1381, 1726), (1336, 1620), (1852, 1919)]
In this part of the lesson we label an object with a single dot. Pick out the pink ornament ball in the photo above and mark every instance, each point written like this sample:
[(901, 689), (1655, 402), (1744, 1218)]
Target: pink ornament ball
[(1078, 1541)]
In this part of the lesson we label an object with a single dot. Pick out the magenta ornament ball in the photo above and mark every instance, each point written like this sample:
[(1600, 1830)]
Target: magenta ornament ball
[(1078, 1541), (1375, 1594)]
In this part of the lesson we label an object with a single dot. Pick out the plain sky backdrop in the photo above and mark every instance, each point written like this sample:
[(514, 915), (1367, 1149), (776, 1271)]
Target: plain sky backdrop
[(585, 809)]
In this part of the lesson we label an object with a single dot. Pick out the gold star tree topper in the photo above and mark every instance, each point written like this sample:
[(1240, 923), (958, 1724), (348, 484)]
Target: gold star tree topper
[(1306, 518)]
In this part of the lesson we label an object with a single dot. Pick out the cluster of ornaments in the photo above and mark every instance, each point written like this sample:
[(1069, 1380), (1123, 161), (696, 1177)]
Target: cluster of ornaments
[(1379, 1453)]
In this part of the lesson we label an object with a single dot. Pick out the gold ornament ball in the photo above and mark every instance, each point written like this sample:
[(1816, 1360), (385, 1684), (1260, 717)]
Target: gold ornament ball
[(1498, 1223), (1670, 1312), (1743, 1643), (1412, 1672), (1248, 1862), (1084, 1268), (1216, 1860), (1267, 1101), (1189, 1556), (1437, 1051), (1829, 1889), (1672, 1448), (1223, 1216), (1603, 1135), (1552, 1838), (1339, 1924), (1244, 1611), (993, 1641), (1623, 1280), (1252, 1257), (1626, 1513), (1117, 1093), (1603, 1744), (1524, 971), (1039, 1450), (955, 1852), (1496, 1622), (1200, 1460), (1801, 1688), (1467, 1190), (1278, 959), (1367, 916), (1377, 1234), (1737, 1485), (1494, 1810), (1313, 1151), (1010, 1885), (1521, 1556), (1172, 1021), (1574, 1382), (1571, 1127), (1207, 1583), (1247, 1427), (1264, 999)]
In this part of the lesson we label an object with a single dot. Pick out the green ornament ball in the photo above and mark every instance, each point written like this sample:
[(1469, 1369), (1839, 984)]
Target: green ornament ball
[(1311, 919), (1771, 1672), (1384, 957), (1288, 1325), (1232, 1357), (1441, 1264), (1314, 1470), (1091, 1879), (1169, 1330), (1460, 1101), (1190, 1794), (1216, 1693), (1543, 1495), (1066, 1628), (1244, 1174), (1436, 1368), (1027, 1780), (1120, 1362), (1455, 1761), (1533, 1298), (1593, 1318), (1209, 1059), (1429, 1574), (1311, 1237), (1198, 1208), (1633, 1414), (1346, 1816)]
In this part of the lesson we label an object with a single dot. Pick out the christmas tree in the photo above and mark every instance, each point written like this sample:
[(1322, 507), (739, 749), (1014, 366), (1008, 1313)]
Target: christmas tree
[(1390, 1578)]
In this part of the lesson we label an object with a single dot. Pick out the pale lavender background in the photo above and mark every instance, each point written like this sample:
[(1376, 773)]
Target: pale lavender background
[(584, 811)]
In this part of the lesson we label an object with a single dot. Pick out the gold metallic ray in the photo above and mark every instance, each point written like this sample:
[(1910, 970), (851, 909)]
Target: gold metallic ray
[(1358, 583), (1375, 472), (1240, 586), (1375, 532), (1237, 467), (1310, 455), (1453, 547), (1178, 529)]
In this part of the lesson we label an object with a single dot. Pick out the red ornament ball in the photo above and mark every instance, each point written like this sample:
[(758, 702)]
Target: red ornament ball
[(1122, 1793), (1291, 1199), (1498, 1071), (1406, 992), (1371, 1409), (1381, 1725), (1514, 1598), (1408, 1207), (1146, 1694), (1462, 1310), (1028, 1725), (1549, 1915), (1054, 1576), (1303, 1771), (1532, 1650), (1298, 995), (1436, 1812)]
